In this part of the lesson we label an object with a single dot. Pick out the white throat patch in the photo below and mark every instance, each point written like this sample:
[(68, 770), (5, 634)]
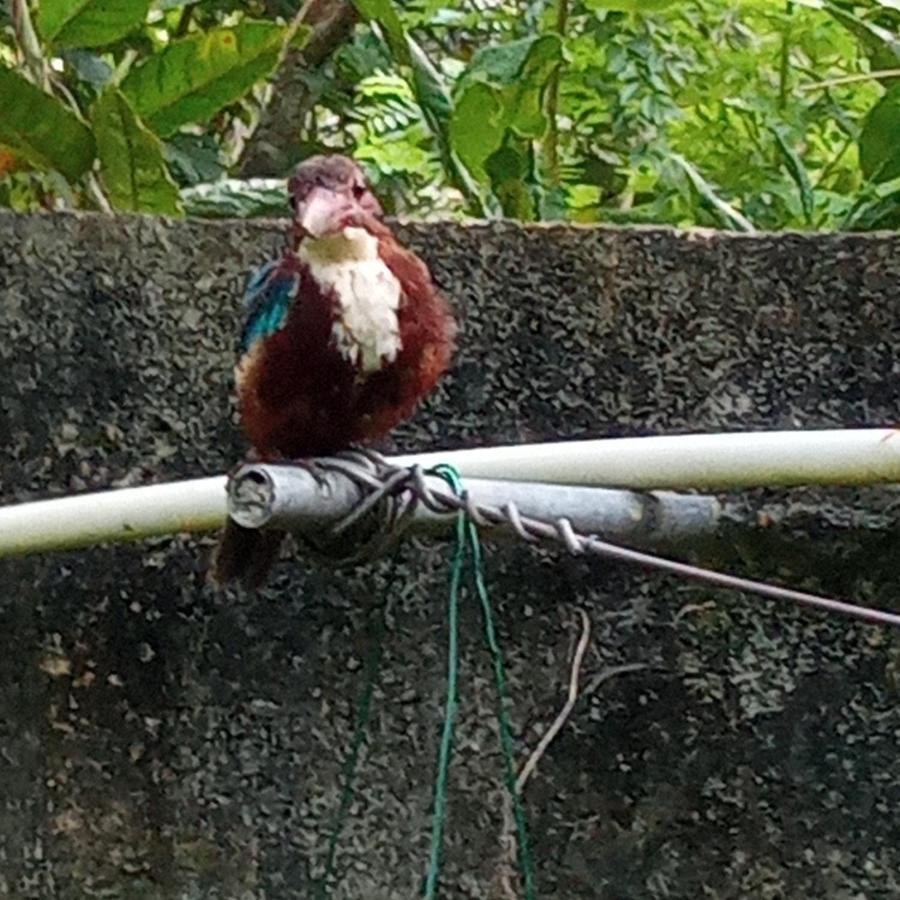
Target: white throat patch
[(366, 330)]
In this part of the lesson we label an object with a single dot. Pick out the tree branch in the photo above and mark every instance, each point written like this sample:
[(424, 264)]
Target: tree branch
[(273, 146)]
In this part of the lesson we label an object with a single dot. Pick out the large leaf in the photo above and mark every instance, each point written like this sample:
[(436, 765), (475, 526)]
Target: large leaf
[(879, 141), (40, 130), (89, 23), (502, 90), (190, 80), (477, 126), (231, 198), (132, 165)]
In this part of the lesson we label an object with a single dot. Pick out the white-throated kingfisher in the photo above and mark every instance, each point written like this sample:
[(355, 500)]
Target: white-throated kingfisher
[(344, 335)]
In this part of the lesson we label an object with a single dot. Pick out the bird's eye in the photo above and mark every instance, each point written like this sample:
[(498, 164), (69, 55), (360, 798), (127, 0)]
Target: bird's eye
[(359, 191)]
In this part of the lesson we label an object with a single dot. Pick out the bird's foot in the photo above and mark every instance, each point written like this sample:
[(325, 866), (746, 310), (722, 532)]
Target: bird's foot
[(248, 460), (363, 456), (309, 464)]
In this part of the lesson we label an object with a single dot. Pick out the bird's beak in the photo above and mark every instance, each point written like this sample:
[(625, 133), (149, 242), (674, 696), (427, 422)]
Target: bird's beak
[(324, 211)]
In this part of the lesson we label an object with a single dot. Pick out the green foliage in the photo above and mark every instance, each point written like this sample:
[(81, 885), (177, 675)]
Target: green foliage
[(132, 165), (192, 79), (879, 142), (798, 172), (238, 199), (738, 114), (499, 96), (384, 14), (39, 130), (635, 6), (89, 23)]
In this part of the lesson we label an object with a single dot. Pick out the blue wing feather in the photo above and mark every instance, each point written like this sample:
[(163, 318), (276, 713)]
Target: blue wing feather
[(267, 299)]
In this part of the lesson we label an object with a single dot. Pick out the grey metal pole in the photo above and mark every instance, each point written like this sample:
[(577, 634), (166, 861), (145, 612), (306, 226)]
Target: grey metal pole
[(291, 498)]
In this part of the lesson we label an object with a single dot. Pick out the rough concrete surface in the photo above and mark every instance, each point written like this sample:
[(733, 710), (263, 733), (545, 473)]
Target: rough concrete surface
[(160, 741)]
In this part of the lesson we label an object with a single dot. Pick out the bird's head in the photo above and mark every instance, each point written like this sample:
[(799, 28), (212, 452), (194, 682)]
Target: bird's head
[(330, 193)]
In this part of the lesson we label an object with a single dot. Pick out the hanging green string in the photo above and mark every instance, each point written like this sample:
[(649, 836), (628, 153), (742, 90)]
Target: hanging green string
[(439, 816), (348, 775), (467, 542), (526, 869)]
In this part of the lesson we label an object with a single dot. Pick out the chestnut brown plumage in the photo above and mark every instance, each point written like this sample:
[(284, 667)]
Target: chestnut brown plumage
[(345, 334)]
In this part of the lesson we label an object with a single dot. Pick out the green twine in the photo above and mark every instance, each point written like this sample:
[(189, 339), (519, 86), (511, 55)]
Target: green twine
[(467, 545), (348, 775), (446, 748), (467, 540), (525, 865)]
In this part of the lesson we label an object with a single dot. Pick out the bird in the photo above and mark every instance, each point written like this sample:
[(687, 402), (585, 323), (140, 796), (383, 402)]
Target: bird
[(344, 335)]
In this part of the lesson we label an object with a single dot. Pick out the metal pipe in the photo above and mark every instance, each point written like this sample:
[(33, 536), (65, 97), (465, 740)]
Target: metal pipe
[(291, 498)]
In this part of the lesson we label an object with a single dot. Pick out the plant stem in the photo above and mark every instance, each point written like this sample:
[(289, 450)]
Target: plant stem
[(184, 21), (42, 75), (877, 75), (785, 62), (832, 163), (27, 41), (551, 145)]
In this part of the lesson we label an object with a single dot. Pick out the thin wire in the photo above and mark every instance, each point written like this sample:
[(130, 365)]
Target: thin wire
[(379, 480), (439, 815)]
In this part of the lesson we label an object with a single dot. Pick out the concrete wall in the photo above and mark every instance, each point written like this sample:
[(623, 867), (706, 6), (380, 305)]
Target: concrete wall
[(160, 741)]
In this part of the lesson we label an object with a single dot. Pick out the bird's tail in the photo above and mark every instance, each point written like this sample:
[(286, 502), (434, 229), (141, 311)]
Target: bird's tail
[(245, 555)]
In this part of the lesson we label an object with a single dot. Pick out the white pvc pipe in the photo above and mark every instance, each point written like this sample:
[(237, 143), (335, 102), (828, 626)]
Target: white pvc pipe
[(701, 461), (714, 461), (125, 514)]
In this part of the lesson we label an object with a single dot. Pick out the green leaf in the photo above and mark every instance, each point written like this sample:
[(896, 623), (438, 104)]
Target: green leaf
[(875, 39), (477, 126), (132, 165), (502, 91), (193, 158), (191, 79), (798, 172), (40, 130), (509, 169), (89, 23), (638, 6), (233, 198), (384, 14), (429, 89), (879, 141), (726, 212), (431, 92), (877, 207)]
